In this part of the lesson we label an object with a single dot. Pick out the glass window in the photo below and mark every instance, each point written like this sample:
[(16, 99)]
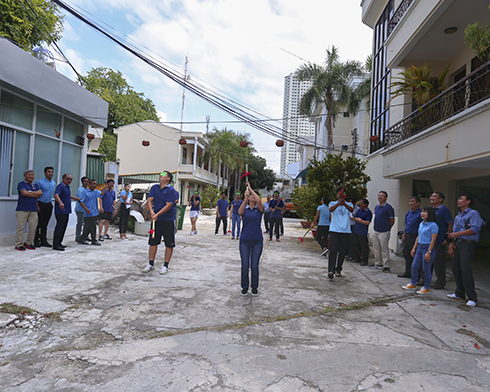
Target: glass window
[(6, 142), (46, 153), (15, 110), (71, 157), (47, 122), (71, 130), (184, 156), (21, 159)]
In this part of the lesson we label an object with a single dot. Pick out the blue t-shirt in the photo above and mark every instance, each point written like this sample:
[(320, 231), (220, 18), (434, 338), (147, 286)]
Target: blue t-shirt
[(382, 216), (426, 229), (412, 221), (78, 207), (266, 207), (443, 219), (236, 206), (468, 219), (26, 203), (251, 229), (340, 218), (123, 193), (324, 219), (47, 186), (194, 207), (276, 203), (108, 200), (222, 207), (90, 200), (63, 191), (365, 215), (162, 196)]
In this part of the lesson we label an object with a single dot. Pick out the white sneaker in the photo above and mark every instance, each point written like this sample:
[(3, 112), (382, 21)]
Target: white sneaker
[(325, 252), (164, 270), (192, 233), (216, 234), (148, 268), (195, 232), (471, 303), (453, 296)]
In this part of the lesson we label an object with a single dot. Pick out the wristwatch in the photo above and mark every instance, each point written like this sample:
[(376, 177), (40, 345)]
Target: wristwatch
[(429, 251)]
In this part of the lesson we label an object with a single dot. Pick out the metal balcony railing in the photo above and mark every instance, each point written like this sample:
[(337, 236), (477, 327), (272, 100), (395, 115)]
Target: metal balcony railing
[(398, 15), (469, 91)]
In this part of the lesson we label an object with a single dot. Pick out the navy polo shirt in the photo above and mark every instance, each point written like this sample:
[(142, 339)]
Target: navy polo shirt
[(26, 203), (276, 203), (365, 215), (443, 219), (251, 229), (198, 207), (108, 200), (162, 196), (382, 216), (222, 207), (236, 206), (63, 191), (412, 221)]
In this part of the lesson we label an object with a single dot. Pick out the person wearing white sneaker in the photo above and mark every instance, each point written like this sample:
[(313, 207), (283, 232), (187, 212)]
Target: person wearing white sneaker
[(463, 240), (161, 204), (322, 217), (423, 250), (195, 204), (148, 268)]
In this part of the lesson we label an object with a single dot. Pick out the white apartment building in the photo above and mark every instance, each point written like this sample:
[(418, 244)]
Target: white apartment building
[(444, 145), (293, 125)]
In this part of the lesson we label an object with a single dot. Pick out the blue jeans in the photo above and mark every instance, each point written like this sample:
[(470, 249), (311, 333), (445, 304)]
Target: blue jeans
[(250, 252), (419, 260), (235, 220)]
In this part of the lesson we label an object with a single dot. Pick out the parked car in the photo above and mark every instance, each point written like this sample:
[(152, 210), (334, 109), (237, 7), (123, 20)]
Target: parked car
[(290, 213)]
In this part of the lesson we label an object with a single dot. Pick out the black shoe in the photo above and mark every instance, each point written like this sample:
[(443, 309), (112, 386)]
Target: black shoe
[(46, 245), (30, 247), (101, 238), (63, 246), (437, 286), (386, 269), (96, 243), (330, 275), (244, 291), (37, 244), (404, 276), (82, 242), (255, 292), (58, 248)]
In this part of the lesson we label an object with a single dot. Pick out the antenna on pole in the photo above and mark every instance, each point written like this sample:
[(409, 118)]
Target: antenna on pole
[(186, 78)]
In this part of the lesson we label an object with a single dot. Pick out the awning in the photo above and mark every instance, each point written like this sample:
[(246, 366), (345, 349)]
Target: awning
[(302, 174)]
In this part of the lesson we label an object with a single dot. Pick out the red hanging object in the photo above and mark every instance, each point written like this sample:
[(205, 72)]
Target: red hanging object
[(245, 174), (243, 144), (182, 141), (145, 143), (279, 143), (374, 138), (90, 136)]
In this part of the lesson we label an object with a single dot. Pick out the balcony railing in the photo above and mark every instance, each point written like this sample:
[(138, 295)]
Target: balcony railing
[(461, 96), (398, 15)]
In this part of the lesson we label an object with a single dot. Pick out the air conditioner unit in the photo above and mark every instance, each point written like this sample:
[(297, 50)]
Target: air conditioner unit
[(344, 147), (80, 140)]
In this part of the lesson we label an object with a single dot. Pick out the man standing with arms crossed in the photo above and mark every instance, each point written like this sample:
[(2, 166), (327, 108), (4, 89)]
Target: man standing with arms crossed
[(161, 204), (362, 219), (445, 223), (412, 223), (277, 208), (47, 186), (384, 219), (26, 211), (62, 210)]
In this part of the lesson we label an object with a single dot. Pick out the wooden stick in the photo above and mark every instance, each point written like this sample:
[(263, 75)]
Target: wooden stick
[(153, 228)]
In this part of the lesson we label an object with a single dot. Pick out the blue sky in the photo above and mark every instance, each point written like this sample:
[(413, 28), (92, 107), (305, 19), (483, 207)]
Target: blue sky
[(233, 45)]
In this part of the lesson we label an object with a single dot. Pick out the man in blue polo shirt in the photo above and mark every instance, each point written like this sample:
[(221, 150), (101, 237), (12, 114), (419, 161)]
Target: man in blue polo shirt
[(236, 220), (79, 209), (90, 203), (46, 185), (221, 213), (384, 219), (161, 204), (108, 207), (444, 220), (362, 219), (26, 211), (277, 208), (465, 236), (62, 210), (412, 222)]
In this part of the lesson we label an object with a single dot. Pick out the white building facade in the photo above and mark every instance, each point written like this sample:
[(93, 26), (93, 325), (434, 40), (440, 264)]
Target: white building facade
[(293, 125)]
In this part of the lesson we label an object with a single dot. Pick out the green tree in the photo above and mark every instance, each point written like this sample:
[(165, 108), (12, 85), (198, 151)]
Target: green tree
[(477, 38), (27, 26), (126, 106), (260, 177), (326, 176), (210, 196), (330, 87)]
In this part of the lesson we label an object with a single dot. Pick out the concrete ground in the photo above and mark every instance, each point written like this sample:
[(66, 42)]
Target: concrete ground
[(99, 324)]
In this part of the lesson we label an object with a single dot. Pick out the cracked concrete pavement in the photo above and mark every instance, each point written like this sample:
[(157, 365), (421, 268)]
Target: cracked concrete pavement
[(99, 323)]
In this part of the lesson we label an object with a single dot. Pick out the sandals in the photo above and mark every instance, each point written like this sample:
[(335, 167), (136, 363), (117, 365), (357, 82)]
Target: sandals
[(330, 275), (338, 274)]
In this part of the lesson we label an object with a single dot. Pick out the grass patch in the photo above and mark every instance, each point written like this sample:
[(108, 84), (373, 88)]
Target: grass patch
[(55, 316), (5, 363), (11, 308), (475, 336)]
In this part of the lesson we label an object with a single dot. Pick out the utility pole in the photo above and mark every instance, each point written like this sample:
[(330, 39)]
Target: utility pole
[(186, 78), (208, 118)]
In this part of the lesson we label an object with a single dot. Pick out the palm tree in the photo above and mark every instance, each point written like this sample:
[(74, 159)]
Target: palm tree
[(330, 87)]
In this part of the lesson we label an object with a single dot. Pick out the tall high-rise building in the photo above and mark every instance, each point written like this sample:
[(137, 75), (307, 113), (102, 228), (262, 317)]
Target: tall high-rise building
[(293, 125)]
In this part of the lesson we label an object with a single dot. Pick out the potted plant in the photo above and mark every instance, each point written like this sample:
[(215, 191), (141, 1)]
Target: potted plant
[(209, 198)]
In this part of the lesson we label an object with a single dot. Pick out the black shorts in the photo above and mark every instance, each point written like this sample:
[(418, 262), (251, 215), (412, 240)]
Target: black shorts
[(106, 216), (165, 229)]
